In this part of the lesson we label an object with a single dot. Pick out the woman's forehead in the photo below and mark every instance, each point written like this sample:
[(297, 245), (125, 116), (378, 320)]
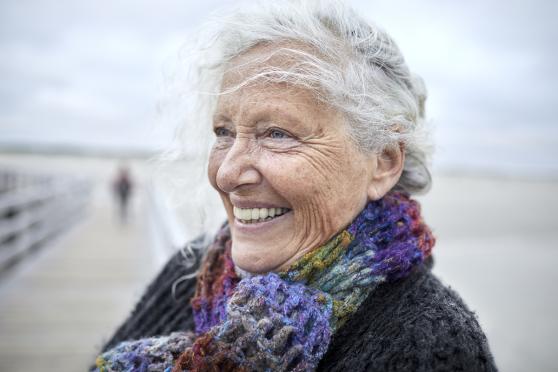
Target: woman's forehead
[(247, 88), (270, 99), (263, 58)]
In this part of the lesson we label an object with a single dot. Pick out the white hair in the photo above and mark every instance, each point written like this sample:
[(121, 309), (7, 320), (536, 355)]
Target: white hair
[(348, 63)]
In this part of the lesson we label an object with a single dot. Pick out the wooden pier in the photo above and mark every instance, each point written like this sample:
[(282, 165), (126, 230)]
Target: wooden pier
[(60, 303)]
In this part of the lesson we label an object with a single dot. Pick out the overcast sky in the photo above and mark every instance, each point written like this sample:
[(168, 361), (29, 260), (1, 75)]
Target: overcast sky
[(89, 73)]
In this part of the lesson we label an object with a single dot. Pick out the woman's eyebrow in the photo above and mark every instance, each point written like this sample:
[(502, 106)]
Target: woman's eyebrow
[(219, 117), (274, 113)]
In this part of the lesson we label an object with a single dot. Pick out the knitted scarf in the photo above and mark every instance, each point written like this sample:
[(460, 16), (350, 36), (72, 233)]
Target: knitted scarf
[(286, 320)]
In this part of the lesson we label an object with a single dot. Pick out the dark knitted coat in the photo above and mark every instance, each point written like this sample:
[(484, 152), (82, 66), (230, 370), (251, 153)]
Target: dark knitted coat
[(414, 324)]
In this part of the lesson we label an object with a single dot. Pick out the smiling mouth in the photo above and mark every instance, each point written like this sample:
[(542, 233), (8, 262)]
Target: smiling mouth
[(255, 215)]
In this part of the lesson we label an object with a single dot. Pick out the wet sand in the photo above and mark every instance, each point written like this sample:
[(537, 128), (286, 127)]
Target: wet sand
[(498, 247)]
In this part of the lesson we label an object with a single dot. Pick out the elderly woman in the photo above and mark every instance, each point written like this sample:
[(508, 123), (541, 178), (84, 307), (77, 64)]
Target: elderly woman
[(324, 261)]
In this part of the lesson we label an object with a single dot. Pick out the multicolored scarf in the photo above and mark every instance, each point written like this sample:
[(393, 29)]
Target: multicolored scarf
[(286, 320)]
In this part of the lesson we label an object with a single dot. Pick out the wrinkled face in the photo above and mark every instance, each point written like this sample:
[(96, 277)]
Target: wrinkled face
[(287, 173)]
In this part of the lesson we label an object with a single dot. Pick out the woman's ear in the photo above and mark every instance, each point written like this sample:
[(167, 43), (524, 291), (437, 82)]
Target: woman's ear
[(389, 166)]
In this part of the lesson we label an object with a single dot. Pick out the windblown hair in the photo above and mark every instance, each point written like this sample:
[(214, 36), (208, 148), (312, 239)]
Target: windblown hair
[(347, 62)]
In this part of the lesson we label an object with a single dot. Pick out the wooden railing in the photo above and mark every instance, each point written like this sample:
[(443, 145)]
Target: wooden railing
[(35, 208)]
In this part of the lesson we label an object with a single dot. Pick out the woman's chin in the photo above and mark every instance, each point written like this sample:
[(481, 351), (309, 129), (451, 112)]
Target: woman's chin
[(258, 259), (260, 247), (250, 264)]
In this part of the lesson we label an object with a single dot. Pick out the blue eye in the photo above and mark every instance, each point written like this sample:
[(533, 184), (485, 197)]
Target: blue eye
[(277, 134), (222, 132)]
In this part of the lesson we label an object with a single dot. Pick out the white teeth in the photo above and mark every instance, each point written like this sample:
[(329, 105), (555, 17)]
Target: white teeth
[(263, 212), (255, 214)]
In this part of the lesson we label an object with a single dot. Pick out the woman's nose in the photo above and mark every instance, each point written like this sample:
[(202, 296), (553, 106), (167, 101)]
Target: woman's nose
[(238, 167)]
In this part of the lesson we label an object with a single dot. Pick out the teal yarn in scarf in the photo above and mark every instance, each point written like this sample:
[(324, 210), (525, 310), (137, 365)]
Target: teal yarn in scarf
[(285, 321)]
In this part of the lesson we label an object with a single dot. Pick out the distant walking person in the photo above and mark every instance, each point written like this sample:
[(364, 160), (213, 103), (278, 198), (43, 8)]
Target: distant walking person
[(122, 187)]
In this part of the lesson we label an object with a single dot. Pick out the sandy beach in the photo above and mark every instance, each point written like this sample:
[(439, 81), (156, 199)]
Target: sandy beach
[(497, 244)]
